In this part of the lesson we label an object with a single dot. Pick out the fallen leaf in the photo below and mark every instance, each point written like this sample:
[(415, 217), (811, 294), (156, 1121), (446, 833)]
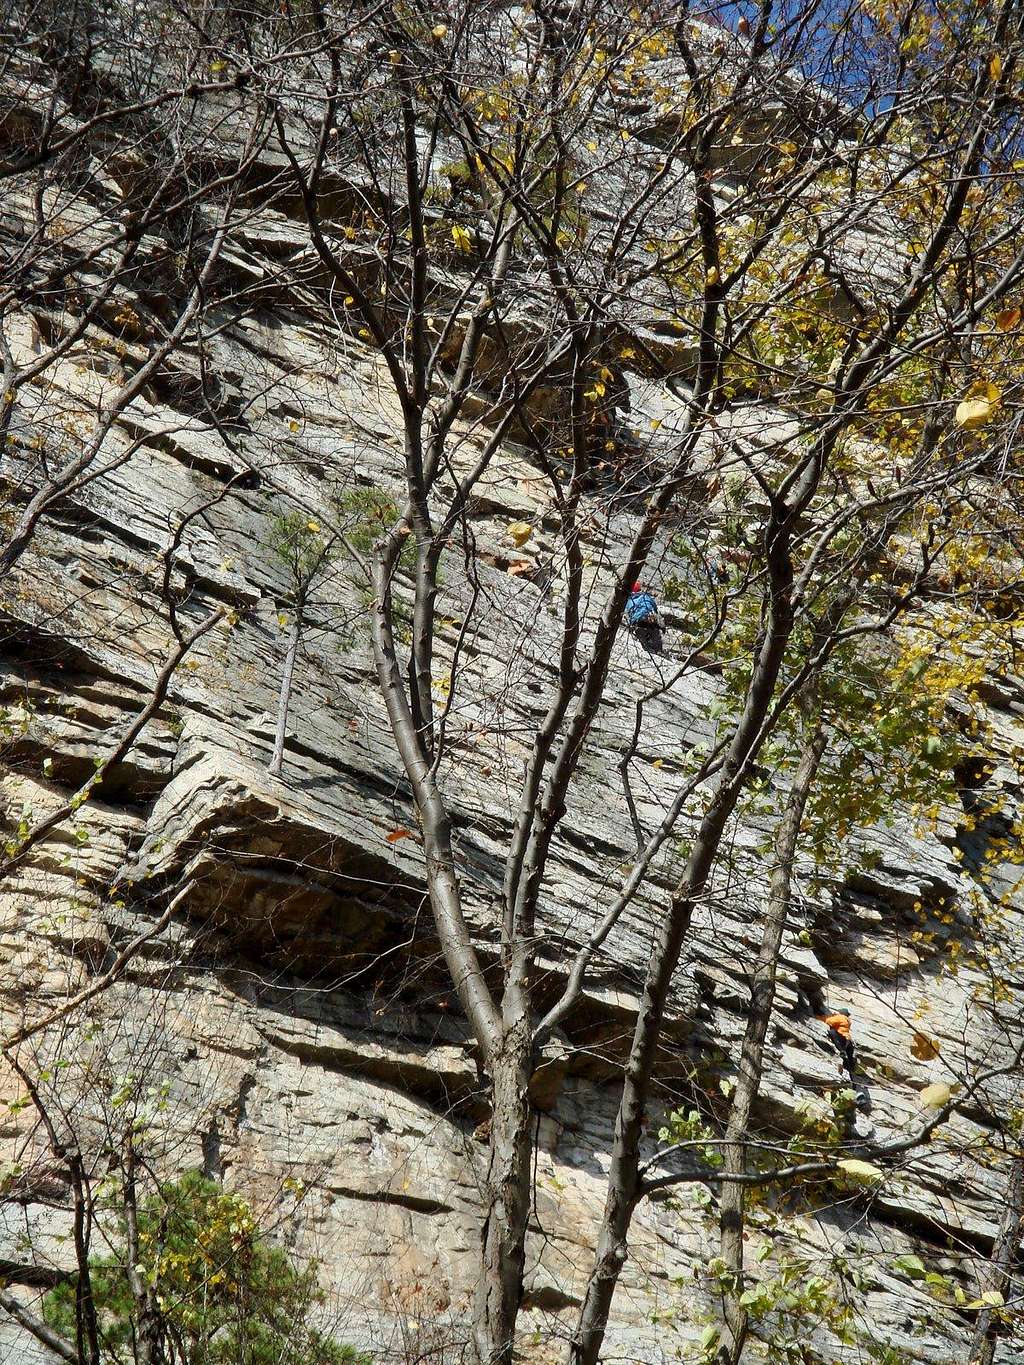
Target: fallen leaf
[(519, 532), (397, 834), (462, 239), (1008, 319), (924, 1048)]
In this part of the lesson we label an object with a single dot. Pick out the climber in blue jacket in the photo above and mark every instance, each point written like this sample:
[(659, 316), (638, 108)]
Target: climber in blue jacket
[(642, 618)]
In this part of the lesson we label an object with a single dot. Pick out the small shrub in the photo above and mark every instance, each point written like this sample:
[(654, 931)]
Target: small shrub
[(225, 1295)]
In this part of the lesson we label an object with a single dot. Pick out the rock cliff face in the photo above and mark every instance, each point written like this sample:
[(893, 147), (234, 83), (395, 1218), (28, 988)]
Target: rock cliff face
[(294, 1016)]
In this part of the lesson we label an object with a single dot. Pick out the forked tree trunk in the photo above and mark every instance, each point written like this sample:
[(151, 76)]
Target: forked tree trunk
[(506, 1199), (762, 999), (625, 1186)]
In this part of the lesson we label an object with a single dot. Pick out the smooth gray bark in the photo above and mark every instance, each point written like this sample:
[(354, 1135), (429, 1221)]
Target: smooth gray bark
[(625, 1187), (762, 999), (284, 699), (998, 1275)]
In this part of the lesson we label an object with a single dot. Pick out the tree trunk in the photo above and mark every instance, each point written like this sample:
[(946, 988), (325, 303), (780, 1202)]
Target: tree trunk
[(624, 1190), (999, 1271), (762, 999), (147, 1324), (506, 1198), (625, 1186), (284, 701)]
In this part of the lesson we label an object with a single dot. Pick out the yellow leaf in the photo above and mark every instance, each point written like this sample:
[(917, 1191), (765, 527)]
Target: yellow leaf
[(349, 300), (995, 66), (461, 238), (860, 1170), (655, 423), (924, 1048), (439, 31), (990, 1299), (591, 146), (936, 1095), (293, 425), (658, 763), (790, 148), (1008, 319), (313, 526), (712, 276), (973, 413), (217, 67), (992, 393), (519, 532), (282, 619), (627, 353)]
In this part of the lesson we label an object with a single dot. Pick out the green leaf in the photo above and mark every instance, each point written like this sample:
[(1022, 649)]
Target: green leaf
[(910, 1265)]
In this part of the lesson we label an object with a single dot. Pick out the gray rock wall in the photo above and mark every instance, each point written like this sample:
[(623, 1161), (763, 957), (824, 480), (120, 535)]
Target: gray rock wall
[(295, 1018)]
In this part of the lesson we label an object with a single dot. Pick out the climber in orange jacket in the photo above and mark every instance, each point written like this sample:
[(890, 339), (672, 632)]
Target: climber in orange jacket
[(838, 1024)]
